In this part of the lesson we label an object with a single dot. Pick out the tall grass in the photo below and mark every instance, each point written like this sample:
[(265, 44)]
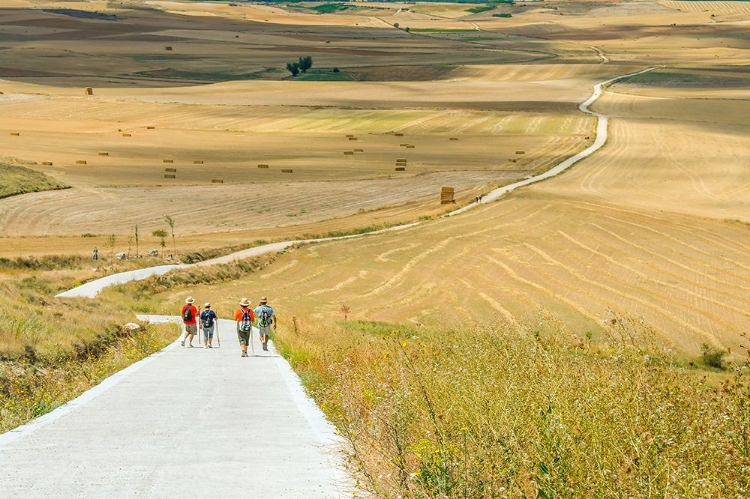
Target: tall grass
[(509, 411)]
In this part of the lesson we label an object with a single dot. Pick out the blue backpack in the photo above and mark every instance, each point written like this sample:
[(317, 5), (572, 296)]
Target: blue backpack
[(264, 317)]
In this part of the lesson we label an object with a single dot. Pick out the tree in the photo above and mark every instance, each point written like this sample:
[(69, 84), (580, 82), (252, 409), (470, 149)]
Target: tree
[(305, 63), (161, 234), (345, 309), (136, 240), (170, 221), (111, 240), (293, 67)]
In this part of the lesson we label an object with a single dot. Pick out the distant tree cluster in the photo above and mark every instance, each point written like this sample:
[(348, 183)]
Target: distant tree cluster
[(303, 64)]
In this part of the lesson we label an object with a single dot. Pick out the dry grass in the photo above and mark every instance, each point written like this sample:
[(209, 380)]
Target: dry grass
[(508, 411)]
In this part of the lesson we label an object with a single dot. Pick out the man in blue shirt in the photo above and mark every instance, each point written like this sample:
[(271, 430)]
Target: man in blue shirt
[(208, 323)]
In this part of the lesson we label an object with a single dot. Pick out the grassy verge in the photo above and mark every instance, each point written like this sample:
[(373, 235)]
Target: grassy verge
[(51, 349), (31, 387), (509, 411), (19, 180)]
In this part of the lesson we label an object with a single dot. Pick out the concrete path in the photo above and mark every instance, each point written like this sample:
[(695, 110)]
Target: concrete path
[(183, 423)]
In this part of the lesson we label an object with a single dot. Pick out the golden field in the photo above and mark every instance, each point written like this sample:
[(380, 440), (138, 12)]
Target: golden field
[(654, 224)]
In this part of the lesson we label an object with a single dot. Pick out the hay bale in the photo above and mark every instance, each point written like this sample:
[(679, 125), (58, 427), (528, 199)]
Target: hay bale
[(173, 170), (410, 146), (399, 135), (359, 150), (262, 166), (453, 138), (349, 135), (446, 195), (403, 145), (352, 138), (170, 175), (126, 135), (167, 48), (15, 134), (400, 168), (103, 154), (347, 153), (217, 180), (400, 160), (47, 163), (286, 170), (198, 162), (520, 152), (150, 127), (88, 91), (166, 160), (81, 162)]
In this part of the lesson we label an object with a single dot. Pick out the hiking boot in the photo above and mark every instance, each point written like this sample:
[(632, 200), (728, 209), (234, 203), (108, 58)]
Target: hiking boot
[(265, 346), (209, 345), (191, 345), (182, 343), (244, 354)]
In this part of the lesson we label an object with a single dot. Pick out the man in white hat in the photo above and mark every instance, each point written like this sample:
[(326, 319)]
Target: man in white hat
[(266, 319), (208, 322), (189, 317), (245, 318)]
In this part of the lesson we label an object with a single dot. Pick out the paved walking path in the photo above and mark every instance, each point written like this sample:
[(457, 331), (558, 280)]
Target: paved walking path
[(183, 423)]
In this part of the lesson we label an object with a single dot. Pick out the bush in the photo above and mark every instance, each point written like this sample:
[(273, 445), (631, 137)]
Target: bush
[(713, 357)]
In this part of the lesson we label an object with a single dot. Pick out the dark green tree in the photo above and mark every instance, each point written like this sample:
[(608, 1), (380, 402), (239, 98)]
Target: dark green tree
[(305, 63), (293, 67)]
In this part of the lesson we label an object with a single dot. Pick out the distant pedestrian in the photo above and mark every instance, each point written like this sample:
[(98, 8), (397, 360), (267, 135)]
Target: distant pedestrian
[(266, 319), (245, 318), (96, 254), (189, 317), (208, 323)]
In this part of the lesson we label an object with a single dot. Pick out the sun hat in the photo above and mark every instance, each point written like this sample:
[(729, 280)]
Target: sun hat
[(189, 299), (206, 305), (264, 300), (244, 302)]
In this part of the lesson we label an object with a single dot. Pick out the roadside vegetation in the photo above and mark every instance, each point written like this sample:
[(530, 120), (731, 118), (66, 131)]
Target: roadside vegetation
[(503, 410), (53, 349), (16, 180)]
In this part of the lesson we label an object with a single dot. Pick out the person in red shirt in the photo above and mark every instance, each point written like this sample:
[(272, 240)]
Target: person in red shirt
[(245, 318), (189, 314)]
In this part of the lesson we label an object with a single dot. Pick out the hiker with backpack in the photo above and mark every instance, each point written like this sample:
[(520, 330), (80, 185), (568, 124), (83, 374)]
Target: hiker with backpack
[(208, 322), (266, 319), (245, 318), (189, 317)]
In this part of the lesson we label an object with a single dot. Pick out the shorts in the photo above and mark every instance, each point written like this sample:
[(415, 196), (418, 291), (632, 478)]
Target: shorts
[(244, 337), (208, 332), (191, 328), (264, 331)]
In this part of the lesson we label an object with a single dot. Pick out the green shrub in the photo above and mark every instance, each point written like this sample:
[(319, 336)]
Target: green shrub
[(713, 357)]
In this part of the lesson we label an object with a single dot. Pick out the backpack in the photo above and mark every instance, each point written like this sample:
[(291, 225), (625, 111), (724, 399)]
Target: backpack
[(264, 317), (208, 318), (187, 314), (246, 323)]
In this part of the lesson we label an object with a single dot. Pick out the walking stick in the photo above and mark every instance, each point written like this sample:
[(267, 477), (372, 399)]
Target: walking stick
[(218, 340), (252, 346)]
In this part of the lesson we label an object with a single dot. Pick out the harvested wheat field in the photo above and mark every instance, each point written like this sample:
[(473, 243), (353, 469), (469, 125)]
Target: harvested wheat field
[(191, 114)]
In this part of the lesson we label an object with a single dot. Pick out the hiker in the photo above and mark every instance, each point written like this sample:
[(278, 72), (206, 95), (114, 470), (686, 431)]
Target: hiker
[(208, 321), (96, 254), (245, 318), (266, 318), (189, 318)]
